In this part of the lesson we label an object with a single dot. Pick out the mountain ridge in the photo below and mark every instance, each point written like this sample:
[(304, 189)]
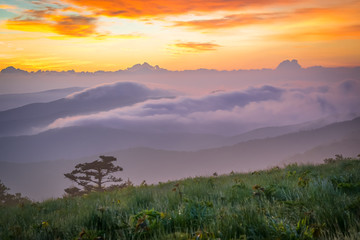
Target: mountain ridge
[(154, 165), (16, 100), (148, 68), (23, 120), (80, 141)]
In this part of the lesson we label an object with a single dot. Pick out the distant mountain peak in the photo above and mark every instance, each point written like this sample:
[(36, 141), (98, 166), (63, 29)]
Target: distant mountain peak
[(11, 69), (145, 68), (289, 65)]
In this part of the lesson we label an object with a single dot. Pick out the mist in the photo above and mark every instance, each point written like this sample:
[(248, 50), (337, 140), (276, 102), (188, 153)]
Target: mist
[(164, 125)]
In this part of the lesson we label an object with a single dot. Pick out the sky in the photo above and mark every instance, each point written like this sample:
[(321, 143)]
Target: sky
[(90, 35)]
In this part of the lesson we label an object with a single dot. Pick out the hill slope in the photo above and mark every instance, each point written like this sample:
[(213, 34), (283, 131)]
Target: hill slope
[(297, 202), (348, 147), (9, 101)]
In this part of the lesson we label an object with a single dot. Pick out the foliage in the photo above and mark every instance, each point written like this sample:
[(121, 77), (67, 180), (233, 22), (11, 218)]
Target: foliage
[(296, 202), (10, 199), (94, 176), (338, 157)]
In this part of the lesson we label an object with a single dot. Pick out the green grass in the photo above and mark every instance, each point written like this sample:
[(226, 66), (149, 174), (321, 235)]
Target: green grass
[(295, 202)]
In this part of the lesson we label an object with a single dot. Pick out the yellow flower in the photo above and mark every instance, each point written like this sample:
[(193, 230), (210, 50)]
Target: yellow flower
[(44, 224)]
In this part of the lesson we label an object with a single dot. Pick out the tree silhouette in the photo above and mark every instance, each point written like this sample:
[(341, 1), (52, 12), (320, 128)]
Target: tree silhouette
[(3, 193), (10, 199), (94, 176)]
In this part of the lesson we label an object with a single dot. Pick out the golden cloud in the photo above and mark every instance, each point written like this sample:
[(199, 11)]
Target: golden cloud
[(196, 46), (320, 34), (153, 8), (234, 20), (7, 7), (52, 19), (307, 17), (71, 20), (78, 26)]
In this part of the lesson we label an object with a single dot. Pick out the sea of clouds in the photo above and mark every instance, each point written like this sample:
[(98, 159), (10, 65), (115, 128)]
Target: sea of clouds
[(225, 112)]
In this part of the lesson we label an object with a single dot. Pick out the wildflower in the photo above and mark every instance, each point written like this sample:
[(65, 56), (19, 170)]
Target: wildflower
[(44, 224)]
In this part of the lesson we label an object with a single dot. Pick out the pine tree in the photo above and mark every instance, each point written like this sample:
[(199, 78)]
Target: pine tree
[(94, 176)]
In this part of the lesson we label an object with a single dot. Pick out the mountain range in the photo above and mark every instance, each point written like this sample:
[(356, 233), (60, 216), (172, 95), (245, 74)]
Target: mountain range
[(154, 165), (23, 120), (164, 125), (13, 80), (80, 141)]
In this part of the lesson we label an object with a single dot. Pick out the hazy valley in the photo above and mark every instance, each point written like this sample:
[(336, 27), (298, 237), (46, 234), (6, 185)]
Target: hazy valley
[(159, 134)]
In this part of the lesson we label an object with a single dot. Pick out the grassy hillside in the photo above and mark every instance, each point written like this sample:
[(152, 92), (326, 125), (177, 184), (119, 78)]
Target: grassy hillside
[(296, 202)]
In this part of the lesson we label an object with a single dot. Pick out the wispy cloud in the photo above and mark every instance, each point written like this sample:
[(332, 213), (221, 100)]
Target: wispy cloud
[(306, 17), (7, 7), (319, 34), (195, 46), (230, 21)]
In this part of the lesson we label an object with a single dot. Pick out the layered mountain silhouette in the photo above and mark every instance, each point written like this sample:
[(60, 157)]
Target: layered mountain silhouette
[(81, 141), (76, 142), (24, 120), (10, 101), (155, 165), (136, 121), (347, 147)]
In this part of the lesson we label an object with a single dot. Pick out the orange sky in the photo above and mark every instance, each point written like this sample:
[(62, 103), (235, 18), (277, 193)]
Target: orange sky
[(90, 35)]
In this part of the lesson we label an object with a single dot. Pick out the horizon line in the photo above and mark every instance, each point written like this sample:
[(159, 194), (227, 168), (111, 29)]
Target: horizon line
[(156, 68)]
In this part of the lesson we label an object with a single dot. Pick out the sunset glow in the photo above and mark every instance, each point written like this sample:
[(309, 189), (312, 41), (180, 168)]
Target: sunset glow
[(90, 35)]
